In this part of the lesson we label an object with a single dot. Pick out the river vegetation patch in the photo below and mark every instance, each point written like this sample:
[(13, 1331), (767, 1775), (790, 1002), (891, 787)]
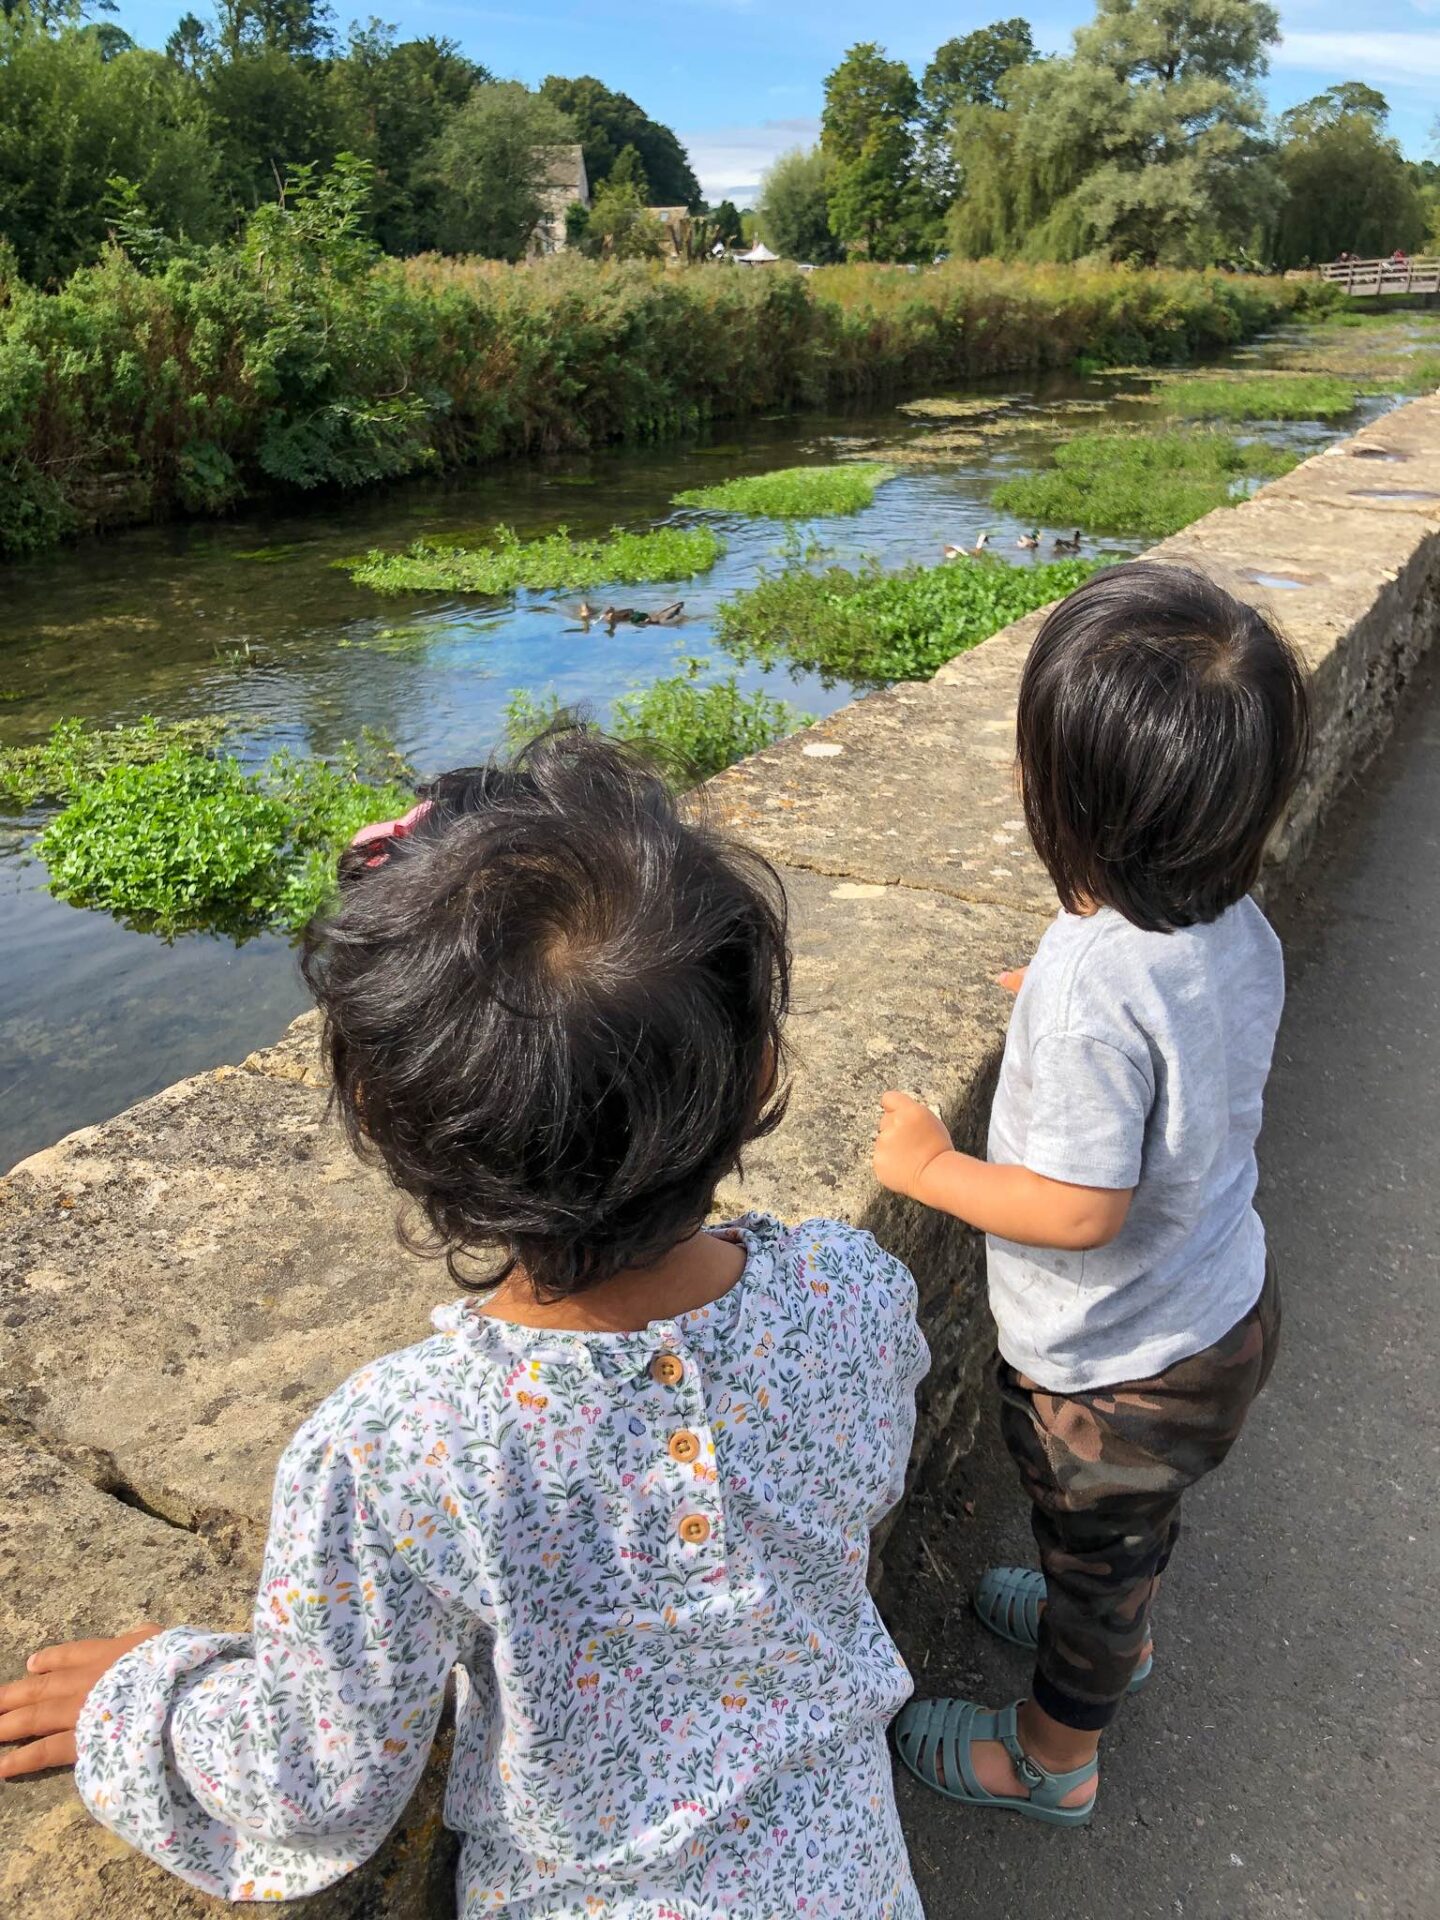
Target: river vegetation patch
[(555, 560), (1141, 483), (74, 755), (1259, 396), (188, 839), (690, 727), (873, 628), (793, 493)]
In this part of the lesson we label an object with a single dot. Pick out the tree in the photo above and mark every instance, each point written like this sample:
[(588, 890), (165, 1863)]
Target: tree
[(271, 112), (606, 123), (299, 28), (1146, 144), (621, 226), (72, 119), (726, 224), (965, 72), (489, 165), (629, 171), (795, 207), (393, 100), (868, 136), (1349, 187)]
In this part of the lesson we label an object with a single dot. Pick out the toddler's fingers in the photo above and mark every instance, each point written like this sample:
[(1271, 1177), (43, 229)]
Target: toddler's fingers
[(896, 1102), (55, 1750), (87, 1653), (49, 1712)]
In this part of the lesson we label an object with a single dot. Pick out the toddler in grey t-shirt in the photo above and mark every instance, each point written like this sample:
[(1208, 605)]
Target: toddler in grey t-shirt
[(1162, 727)]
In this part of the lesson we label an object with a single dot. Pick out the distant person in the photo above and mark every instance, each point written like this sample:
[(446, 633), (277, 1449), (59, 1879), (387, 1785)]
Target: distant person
[(1399, 256), (1162, 727), (627, 1489)]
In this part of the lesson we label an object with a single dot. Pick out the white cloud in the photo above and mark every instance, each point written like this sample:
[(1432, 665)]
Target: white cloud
[(730, 160), (1398, 59)]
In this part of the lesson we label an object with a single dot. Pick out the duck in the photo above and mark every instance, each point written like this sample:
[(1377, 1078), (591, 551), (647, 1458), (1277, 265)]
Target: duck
[(585, 611), (613, 616), (1029, 540), (1068, 546), (667, 616), (967, 553), (637, 617)]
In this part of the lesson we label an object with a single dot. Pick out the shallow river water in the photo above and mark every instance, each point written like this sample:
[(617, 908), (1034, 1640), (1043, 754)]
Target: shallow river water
[(252, 619)]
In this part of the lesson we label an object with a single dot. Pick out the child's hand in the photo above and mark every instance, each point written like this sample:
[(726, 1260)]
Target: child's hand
[(1012, 979), (910, 1137), (41, 1711)]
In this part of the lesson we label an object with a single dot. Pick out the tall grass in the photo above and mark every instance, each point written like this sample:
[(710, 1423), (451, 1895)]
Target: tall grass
[(292, 362)]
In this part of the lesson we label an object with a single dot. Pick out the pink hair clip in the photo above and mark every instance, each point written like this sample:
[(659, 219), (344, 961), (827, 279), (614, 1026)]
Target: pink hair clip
[(387, 830)]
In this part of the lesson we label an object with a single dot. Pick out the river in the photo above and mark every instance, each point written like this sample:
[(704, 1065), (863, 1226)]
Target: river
[(253, 620)]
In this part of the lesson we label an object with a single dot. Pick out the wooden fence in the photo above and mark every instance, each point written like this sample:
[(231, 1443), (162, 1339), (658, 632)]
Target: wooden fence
[(1373, 277)]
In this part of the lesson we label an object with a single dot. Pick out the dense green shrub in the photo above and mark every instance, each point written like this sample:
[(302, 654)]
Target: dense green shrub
[(554, 561), (872, 628), (793, 493), (1140, 483), (162, 833), (298, 358), (691, 728)]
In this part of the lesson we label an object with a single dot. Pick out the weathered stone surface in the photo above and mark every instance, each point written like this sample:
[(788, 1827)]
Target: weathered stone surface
[(183, 1283), (75, 1562), (893, 987), (294, 1056), (911, 786)]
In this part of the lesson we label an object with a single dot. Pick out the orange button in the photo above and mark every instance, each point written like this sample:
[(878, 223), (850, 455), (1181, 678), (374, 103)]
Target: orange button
[(694, 1529), (668, 1369), (684, 1446)]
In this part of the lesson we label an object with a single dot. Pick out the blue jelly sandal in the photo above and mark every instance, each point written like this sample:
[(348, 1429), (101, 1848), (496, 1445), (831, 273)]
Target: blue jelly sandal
[(931, 1735), (1008, 1600)]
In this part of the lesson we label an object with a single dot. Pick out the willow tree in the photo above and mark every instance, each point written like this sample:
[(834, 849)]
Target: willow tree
[(1145, 144)]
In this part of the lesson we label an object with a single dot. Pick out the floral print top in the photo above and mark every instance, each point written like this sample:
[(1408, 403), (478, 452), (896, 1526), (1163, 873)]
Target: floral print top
[(646, 1555)]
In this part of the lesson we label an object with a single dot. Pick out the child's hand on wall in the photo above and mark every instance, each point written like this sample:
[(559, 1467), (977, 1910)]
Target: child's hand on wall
[(1012, 979), (40, 1711), (910, 1137)]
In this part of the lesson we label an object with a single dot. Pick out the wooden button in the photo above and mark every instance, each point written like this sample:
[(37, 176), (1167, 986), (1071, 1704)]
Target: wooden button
[(668, 1369), (684, 1447), (694, 1529)]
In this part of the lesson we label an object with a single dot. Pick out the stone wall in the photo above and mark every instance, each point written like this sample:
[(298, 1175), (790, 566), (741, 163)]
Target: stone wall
[(178, 1285)]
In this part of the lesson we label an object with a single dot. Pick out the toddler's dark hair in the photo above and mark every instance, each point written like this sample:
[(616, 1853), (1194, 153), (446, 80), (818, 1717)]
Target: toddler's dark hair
[(1162, 727), (554, 1010)]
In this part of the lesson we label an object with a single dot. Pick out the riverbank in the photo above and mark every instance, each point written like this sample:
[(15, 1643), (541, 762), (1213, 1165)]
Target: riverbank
[(296, 363), (190, 1276)]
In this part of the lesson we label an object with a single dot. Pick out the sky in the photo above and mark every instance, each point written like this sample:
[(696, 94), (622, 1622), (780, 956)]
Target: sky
[(742, 80)]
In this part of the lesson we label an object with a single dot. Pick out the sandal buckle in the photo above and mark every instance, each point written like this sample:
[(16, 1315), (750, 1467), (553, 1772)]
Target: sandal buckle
[(1032, 1775)]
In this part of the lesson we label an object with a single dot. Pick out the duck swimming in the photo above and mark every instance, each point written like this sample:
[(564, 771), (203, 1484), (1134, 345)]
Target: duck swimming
[(1068, 546), (967, 553), (1029, 540)]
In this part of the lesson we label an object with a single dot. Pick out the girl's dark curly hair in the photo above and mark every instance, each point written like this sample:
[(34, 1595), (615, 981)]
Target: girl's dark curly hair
[(553, 1009)]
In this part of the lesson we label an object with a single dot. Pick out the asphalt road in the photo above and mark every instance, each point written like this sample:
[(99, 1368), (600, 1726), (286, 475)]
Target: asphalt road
[(1284, 1760)]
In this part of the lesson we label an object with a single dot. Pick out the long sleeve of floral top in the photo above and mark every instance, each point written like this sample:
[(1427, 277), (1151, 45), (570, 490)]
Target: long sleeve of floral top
[(275, 1762), (645, 1553)]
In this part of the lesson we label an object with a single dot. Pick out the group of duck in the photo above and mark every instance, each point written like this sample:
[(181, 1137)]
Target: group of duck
[(1027, 541), (667, 616)]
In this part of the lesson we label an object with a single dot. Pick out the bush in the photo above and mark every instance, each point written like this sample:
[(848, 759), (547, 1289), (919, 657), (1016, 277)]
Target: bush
[(692, 729), (873, 628), (1140, 483), (162, 834), (555, 560), (793, 493), (297, 358), (168, 844)]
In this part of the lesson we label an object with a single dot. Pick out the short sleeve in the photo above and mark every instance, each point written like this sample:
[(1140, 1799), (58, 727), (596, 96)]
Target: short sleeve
[(1089, 1103), (908, 1357)]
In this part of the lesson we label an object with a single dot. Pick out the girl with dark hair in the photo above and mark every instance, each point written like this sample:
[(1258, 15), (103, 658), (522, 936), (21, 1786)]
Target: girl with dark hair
[(1162, 727), (625, 1490)]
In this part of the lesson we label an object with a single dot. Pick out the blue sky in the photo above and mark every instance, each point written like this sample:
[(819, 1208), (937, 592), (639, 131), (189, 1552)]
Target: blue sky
[(741, 80)]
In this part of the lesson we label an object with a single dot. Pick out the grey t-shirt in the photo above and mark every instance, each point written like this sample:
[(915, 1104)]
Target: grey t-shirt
[(1137, 1060)]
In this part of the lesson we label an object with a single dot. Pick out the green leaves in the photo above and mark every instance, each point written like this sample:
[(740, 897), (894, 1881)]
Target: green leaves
[(554, 561), (793, 492), (162, 834), (1264, 396), (1140, 483), (873, 628)]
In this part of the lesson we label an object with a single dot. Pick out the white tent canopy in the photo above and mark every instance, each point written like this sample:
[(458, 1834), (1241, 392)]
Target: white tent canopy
[(758, 256)]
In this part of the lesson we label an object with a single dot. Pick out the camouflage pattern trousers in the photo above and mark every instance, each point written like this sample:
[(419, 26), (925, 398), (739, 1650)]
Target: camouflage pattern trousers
[(1104, 1472)]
